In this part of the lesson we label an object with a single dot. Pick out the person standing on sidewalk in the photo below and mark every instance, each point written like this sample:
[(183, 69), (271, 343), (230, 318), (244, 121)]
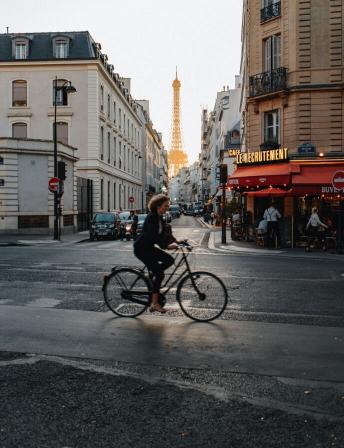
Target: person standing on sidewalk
[(313, 227), (272, 215)]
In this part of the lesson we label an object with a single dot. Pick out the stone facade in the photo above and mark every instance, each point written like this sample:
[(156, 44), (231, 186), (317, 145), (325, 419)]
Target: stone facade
[(26, 205), (100, 119), (293, 72)]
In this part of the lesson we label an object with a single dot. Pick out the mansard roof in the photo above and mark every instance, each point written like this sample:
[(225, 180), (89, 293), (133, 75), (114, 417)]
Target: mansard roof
[(82, 46)]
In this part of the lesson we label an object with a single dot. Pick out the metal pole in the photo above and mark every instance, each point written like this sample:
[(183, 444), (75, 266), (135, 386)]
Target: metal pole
[(223, 237), (340, 225), (56, 217)]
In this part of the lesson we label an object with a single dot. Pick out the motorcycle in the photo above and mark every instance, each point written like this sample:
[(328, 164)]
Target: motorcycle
[(128, 230)]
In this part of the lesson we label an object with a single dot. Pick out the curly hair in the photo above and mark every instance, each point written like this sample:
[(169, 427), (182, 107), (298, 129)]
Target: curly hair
[(157, 201)]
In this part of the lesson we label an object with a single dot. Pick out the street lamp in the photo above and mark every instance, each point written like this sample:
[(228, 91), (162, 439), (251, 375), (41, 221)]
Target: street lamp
[(68, 88)]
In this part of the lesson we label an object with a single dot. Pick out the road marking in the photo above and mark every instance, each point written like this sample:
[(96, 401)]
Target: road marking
[(44, 302)]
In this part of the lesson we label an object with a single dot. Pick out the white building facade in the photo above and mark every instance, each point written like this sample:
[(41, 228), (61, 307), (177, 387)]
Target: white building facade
[(26, 204), (100, 119)]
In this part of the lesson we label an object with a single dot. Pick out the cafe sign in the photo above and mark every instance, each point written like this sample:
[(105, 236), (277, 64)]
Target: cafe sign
[(258, 157), (233, 152)]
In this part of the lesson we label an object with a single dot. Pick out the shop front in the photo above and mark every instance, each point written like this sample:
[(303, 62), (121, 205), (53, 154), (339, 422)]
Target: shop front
[(296, 186)]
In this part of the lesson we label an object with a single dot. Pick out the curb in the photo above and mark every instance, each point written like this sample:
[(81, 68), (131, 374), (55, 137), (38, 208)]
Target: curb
[(268, 253)]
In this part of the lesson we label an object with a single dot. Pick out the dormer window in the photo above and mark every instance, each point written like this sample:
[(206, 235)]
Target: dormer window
[(21, 50), (20, 47), (61, 47)]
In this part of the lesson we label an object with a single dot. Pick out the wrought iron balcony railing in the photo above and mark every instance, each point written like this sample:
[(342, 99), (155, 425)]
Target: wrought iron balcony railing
[(270, 12), (268, 82)]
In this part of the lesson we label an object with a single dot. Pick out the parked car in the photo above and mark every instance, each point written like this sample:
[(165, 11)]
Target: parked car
[(105, 225), (174, 210), (140, 223)]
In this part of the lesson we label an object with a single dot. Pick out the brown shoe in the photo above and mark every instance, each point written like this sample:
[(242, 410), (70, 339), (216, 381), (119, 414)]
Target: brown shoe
[(157, 308)]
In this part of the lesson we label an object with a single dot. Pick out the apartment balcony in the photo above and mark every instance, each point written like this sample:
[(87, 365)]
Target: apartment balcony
[(270, 12), (268, 82)]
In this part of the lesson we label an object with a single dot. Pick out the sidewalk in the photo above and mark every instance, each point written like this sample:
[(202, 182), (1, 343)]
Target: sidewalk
[(248, 247), (29, 239)]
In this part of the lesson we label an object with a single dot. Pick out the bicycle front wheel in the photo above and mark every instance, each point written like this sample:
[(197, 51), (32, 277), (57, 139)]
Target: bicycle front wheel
[(127, 292), (202, 296)]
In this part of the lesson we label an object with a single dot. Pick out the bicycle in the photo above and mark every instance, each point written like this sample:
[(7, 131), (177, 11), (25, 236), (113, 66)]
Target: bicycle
[(201, 295)]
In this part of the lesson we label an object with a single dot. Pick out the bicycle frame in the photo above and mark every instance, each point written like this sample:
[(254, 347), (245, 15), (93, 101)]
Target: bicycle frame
[(166, 287)]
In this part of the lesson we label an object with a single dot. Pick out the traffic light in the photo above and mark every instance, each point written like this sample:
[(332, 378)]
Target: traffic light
[(223, 173), (61, 170)]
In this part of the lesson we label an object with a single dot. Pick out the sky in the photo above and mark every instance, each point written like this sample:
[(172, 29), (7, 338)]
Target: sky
[(145, 40)]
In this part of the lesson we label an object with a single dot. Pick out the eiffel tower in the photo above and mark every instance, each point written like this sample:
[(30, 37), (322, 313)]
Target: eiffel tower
[(177, 158)]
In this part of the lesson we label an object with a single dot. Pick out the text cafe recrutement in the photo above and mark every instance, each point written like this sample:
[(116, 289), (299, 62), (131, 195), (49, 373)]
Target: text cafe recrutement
[(272, 155)]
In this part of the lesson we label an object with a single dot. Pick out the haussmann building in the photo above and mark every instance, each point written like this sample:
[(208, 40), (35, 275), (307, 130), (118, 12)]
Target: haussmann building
[(292, 113)]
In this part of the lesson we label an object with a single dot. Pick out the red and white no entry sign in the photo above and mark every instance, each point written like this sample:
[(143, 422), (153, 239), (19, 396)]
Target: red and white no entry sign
[(53, 184), (338, 180), (131, 199)]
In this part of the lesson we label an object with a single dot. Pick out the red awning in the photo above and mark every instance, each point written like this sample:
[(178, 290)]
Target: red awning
[(315, 178), (266, 192), (260, 176), (316, 174)]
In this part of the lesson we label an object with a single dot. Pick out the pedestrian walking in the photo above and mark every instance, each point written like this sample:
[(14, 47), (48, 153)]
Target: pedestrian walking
[(212, 216), (272, 215), (313, 226)]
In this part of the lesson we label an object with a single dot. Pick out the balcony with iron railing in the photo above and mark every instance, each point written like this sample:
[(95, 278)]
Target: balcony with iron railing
[(270, 12), (268, 82)]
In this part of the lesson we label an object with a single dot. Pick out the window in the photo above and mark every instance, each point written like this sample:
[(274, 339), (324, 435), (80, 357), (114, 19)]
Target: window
[(114, 151), (19, 130), (101, 98), (61, 93), (101, 143), (109, 147), (120, 155), (120, 117), (1, 160), (124, 157), (108, 106), (108, 193), (62, 132), (266, 3), (101, 194), (61, 49), (21, 50), (114, 195), (19, 93), (114, 112), (124, 122), (271, 126), (270, 10), (128, 127), (272, 53), (132, 132)]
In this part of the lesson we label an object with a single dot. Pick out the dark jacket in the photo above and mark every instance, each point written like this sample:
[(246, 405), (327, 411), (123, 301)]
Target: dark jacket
[(150, 233)]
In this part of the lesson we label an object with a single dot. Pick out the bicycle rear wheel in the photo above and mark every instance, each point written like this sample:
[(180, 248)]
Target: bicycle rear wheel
[(127, 292), (202, 296)]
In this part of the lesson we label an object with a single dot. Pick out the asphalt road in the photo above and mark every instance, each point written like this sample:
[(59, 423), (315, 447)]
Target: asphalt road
[(59, 401)]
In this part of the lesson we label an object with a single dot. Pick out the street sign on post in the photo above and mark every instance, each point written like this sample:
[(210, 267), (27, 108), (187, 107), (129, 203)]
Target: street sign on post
[(338, 180), (131, 199), (53, 184)]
